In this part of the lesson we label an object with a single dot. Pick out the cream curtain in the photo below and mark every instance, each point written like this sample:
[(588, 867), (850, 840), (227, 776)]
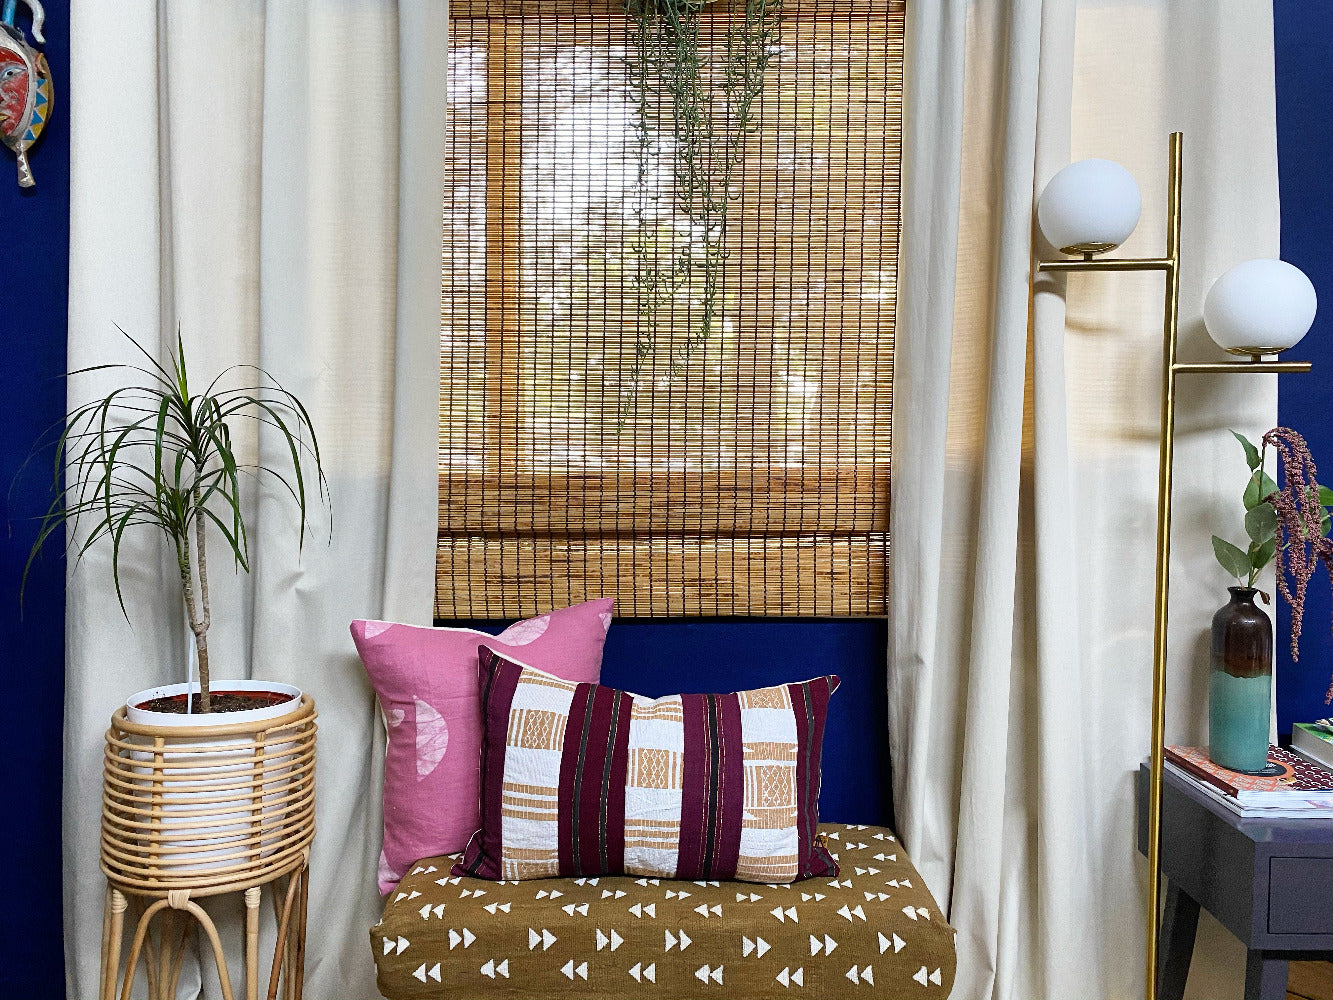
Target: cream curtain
[(267, 176), (1025, 446)]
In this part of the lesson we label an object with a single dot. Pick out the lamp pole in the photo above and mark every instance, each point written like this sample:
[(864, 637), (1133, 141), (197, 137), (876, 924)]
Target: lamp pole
[(1170, 264)]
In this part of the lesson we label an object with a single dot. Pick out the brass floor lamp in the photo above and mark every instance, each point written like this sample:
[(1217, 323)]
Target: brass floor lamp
[(1171, 369)]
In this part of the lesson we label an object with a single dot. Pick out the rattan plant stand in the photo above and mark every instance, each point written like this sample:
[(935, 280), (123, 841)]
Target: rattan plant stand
[(192, 812)]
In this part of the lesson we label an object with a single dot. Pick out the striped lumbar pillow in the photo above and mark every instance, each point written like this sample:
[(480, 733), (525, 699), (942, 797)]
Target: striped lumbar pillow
[(580, 779)]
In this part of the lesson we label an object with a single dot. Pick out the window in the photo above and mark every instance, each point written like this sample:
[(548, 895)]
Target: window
[(752, 479)]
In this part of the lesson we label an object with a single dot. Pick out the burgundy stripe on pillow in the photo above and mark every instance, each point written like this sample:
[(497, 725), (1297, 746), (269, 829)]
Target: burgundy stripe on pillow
[(580, 780)]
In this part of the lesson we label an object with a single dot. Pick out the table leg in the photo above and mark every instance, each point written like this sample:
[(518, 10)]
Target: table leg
[(1265, 976), (1179, 923)]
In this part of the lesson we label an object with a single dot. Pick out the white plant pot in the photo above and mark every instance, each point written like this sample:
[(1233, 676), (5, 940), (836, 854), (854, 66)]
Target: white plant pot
[(209, 826)]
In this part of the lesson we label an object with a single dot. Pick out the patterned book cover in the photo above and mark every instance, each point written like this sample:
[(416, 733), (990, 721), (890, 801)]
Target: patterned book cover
[(1292, 773)]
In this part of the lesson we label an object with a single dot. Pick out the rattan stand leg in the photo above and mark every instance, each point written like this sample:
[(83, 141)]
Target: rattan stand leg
[(115, 924), (252, 943), (163, 956)]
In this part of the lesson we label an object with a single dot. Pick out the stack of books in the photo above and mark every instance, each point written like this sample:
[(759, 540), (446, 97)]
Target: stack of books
[(1298, 788), (1314, 740)]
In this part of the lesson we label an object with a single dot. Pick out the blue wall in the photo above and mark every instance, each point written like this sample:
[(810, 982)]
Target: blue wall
[(1303, 33), (33, 287)]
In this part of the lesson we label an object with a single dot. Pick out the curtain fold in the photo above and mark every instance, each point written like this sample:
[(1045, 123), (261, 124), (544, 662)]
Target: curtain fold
[(267, 178), (1025, 442)]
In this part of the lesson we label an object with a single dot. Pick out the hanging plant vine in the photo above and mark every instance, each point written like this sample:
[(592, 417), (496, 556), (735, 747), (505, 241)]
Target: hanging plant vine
[(710, 118)]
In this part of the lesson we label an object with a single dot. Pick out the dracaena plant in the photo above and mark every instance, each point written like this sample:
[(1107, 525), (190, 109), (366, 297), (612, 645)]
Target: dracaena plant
[(1287, 525), (157, 454)]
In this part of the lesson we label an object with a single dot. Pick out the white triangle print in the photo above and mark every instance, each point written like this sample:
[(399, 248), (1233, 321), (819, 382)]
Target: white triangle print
[(548, 939), (883, 943), (935, 977), (454, 938), (685, 941), (432, 738), (851, 974), (435, 972), (634, 971), (908, 911), (488, 970), (438, 910), (582, 970), (859, 912), (670, 941), (468, 938), (761, 947), (535, 939), (777, 912), (898, 944), (716, 975), (923, 911), (816, 946), (921, 976), (421, 972), (402, 944), (602, 940), (701, 974), (568, 969), (844, 912), (425, 912), (650, 973), (616, 940), (798, 977), (829, 945), (503, 968), (868, 975), (747, 947), (784, 977)]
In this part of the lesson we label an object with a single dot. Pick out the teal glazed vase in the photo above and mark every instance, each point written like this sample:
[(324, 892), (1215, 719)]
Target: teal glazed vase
[(1240, 688)]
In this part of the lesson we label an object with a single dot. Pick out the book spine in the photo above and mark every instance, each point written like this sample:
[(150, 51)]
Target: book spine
[(1202, 773)]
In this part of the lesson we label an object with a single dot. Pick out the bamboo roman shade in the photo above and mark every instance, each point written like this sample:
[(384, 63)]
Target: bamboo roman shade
[(577, 460)]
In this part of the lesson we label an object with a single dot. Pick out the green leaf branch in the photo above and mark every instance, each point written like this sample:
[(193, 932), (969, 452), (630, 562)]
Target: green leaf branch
[(1261, 521), (157, 454)]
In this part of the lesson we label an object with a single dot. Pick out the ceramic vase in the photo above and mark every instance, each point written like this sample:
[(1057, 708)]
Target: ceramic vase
[(1240, 686)]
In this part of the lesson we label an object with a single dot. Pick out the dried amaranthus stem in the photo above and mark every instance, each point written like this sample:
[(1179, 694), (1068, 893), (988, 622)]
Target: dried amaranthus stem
[(1301, 543)]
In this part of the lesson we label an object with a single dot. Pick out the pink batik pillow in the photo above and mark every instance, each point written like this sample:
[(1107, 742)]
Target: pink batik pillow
[(426, 680)]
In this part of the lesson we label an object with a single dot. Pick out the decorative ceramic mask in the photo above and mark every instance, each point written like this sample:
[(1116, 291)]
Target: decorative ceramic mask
[(25, 86)]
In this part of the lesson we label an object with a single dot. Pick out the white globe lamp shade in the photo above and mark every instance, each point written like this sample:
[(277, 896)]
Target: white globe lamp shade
[(1260, 307), (1089, 207)]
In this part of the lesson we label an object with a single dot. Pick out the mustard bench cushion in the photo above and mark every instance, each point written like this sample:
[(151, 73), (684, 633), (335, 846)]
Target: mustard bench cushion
[(872, 932)]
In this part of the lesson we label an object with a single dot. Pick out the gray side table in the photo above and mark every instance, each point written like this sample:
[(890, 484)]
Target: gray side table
[(1269, 882)]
